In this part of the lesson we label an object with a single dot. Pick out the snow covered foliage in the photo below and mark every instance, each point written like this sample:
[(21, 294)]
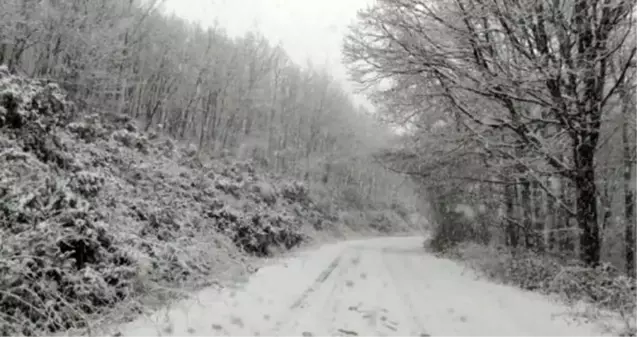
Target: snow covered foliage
[(605, 287), (94, 212), (458, 222)]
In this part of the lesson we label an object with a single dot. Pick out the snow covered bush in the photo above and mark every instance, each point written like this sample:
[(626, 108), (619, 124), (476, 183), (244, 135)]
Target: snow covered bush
[(265, 192), (132, 140), (259, 231), (58, 259), (385, 221), (455, 220), (526, 269), (295, 191), (25, 101), (603, 287), (87, 184), (94, 213)]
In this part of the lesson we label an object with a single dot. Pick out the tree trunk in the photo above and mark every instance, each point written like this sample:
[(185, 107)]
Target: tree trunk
[(551, 217), (605, 202), (527, 212), (538, 225), (629, 200), (566, 221), (586, 192)]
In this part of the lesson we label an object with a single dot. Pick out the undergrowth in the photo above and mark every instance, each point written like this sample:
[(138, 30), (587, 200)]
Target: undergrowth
[(604, 292), (94, 213)]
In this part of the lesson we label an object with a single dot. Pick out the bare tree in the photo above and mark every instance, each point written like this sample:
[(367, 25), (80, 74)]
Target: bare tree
[(537, 71)]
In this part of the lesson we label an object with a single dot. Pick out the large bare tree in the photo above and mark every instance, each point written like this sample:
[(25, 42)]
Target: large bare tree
[(535, 72)]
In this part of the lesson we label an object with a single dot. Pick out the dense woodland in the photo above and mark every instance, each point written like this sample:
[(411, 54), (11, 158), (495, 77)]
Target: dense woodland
[(530, 103), (144, 156), (521, 119), (240, 96)]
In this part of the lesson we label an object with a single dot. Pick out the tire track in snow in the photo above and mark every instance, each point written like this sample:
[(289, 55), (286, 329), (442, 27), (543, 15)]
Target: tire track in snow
[(335, 298), (374, 309), (316, 285), (403, 290), (317, 282)]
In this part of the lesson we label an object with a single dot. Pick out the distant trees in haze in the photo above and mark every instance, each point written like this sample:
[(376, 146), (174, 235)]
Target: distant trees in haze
[(240, 95)]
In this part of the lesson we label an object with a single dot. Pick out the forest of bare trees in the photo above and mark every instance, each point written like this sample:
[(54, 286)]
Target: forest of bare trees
[(518, 137), (144, 156), (522, 110), (528, 106), (241, 96)]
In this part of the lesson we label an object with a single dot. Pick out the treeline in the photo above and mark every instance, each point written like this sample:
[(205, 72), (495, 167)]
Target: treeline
[(521, 117), (240, 96)]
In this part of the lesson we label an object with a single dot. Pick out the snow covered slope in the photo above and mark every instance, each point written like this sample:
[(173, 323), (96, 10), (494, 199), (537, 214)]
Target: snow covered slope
[(374, 287)]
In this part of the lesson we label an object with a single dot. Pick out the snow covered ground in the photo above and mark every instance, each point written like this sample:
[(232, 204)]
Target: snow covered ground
[(373, 287)]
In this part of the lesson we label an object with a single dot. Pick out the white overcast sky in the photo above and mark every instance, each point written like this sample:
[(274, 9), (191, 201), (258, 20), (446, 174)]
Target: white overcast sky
[(307, 29)]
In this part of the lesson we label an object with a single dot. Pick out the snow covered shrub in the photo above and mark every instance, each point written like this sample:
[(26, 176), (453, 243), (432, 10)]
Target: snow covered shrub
[(323, 198), (163, 224), (259, 231), (296, 191), (400, 209), (352, 198), (88, 184), (604, 286), (25, 101), (115, 121), (265, 192), (385, 221), (132, 140), (456, 223), (89, 129), (92, 213), (30, 112), (58, 261), (167, 147), (228, 186), (528, 269), (450, 231), (525, 269), (83, 131), (243, 167), (352, 219), (189, 150)]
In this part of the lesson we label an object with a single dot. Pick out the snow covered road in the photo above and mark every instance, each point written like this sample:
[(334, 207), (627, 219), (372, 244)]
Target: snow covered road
[(374, 287)]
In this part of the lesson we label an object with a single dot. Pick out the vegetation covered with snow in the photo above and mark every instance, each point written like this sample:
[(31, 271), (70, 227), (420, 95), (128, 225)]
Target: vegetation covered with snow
[(95, 212), (520, 119), (143, 154)]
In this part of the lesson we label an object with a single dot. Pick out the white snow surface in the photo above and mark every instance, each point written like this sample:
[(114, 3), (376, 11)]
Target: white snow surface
[(372, 287)]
